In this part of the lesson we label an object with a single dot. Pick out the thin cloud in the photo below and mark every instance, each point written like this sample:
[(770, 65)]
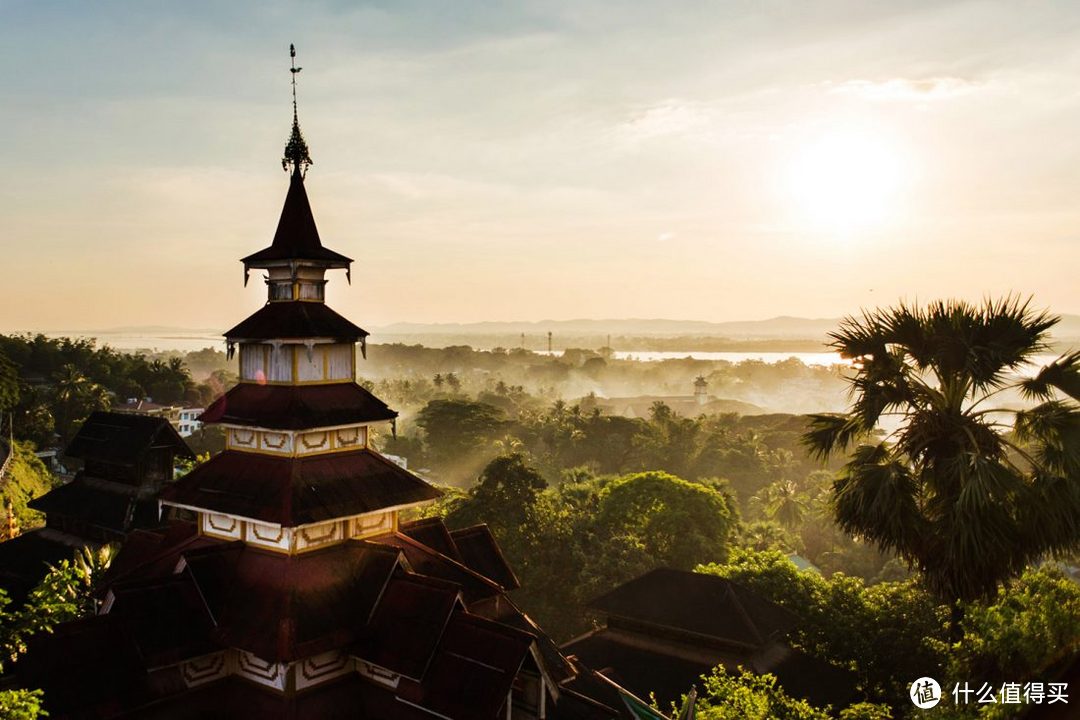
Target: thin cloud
[(671, 118), (908, 89)]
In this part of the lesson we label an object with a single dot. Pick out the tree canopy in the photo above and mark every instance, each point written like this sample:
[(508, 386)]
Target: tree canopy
[(966, 491)]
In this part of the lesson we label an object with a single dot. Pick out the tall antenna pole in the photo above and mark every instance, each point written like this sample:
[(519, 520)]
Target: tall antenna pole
[(297, 158), (294, 70)]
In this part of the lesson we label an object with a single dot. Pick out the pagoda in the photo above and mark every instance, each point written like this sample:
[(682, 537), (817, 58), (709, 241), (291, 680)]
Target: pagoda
[(287, 584)]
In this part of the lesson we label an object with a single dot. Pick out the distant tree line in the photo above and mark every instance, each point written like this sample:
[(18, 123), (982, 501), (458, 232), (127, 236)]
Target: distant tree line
[(50, 385)]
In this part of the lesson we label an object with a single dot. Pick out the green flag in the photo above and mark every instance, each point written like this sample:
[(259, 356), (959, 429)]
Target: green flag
[(639, 709)]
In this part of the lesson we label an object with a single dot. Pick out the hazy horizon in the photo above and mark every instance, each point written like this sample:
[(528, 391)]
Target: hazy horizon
[(551, 160)]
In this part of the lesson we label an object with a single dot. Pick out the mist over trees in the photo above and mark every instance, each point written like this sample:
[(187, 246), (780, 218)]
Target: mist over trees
[(584, 493)]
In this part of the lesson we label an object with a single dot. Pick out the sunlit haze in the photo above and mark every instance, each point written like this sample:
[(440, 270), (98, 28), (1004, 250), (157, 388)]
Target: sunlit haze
[(534, 160)]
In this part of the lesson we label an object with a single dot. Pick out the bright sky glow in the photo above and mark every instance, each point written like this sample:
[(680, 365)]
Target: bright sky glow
[(846, 182), (540, 158)]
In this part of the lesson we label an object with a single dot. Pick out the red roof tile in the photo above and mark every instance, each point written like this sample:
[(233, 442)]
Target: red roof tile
[(291, 407), (295, 319), (433, 533), (284, 607), (407, 624), (426, 561), (291, 491), (480, 552)]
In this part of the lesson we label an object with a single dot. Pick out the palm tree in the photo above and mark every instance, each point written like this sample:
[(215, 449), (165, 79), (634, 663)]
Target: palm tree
[(965, 492), (783, 502)]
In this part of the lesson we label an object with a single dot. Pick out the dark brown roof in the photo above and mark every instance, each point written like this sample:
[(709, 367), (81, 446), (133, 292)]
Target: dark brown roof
[(296, 238), (697, 604), (85, 666), (806, 677), (108, 506), (140, 607), (408, 624), (480, 552), (473, 668), (640, 670), (122, 439), (427, 561), (295, 319), (291, 491), (148, 553), (25, 559), (284, 607), (290, 407), (433, 533)]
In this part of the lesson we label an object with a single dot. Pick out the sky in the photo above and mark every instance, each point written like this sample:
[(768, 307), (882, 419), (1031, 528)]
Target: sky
[(540, 160)]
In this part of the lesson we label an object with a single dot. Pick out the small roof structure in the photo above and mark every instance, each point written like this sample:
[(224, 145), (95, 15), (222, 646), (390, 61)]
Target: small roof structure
[(123, 438), (295, 319), (705, 605), (296, 237)]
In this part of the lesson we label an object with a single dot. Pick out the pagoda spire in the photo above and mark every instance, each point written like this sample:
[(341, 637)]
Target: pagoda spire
[(297, 158)]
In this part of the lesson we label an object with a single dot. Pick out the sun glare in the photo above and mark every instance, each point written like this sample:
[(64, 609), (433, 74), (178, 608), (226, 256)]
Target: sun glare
[(845, 182)]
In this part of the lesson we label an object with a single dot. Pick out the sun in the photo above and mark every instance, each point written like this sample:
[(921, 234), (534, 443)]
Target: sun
[(846, 182)]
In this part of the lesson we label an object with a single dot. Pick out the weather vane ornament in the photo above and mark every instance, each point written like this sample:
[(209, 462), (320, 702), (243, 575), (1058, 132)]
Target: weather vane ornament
[(297, 159)]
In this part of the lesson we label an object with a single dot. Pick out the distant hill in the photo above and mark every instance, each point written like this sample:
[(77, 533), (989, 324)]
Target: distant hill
[(782, 327), (778, 327)]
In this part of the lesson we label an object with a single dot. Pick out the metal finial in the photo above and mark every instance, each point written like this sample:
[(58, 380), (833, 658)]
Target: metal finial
[(297, 159)]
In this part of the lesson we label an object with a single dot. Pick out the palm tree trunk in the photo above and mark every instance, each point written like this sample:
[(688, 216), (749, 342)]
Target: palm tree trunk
[(956, 621)]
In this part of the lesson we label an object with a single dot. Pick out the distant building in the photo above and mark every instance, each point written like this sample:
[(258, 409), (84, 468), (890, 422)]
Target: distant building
[(185, 418), (665, 629), (701, 390), (126, 460), (188, 421)]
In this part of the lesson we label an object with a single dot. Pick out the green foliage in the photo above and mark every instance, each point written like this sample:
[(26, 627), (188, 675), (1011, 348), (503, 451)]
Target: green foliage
[(456, 429), (62, 595), (1023, 632), (949, 491), (749, 696), (62, 380), (21, 705), (9, 384), (571, 542), (26, 478), (892, 632), (675, 521), (506, 491), (887, 633)]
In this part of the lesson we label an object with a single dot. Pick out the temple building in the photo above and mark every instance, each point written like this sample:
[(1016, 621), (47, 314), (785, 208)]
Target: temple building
[(126, 461), (286, 583), (665, 629)]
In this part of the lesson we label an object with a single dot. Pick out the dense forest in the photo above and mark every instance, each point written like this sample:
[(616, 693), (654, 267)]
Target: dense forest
[(581, 499)]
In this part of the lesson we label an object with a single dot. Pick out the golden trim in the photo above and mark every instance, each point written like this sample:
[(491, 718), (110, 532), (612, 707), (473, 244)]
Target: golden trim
[(220, 528), (253, 529), (284, 436), (219, 536), (311, 446)]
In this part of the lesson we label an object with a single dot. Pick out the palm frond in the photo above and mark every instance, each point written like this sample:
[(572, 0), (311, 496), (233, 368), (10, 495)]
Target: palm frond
[(831, 432), (1063, 374), (874, 497)]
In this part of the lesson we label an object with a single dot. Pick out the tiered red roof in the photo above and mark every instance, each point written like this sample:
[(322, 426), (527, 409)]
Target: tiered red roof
[(292, 491), (292, 407)]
